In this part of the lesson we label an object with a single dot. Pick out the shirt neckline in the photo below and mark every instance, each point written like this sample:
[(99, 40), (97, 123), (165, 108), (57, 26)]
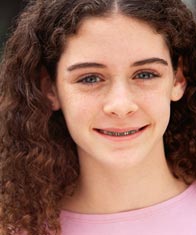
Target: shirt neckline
[(136, 213)]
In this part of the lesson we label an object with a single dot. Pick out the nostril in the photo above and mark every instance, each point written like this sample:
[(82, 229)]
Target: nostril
[(121, 114), (120, 108)]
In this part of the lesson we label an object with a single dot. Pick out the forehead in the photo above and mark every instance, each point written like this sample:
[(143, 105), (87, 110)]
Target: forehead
[(117, 35)]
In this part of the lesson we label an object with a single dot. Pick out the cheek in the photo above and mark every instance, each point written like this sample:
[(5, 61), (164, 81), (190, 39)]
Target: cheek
[(80, 114), (157, 105), (78, 109), (160, 93)]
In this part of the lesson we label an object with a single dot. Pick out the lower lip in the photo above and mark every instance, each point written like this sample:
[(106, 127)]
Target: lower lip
[(122, 138)]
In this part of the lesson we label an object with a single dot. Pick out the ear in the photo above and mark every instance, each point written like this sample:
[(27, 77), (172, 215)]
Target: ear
[(49, 89), (179, 85)]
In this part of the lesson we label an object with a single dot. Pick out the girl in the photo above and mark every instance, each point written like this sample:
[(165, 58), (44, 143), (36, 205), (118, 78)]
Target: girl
[(98, 117)]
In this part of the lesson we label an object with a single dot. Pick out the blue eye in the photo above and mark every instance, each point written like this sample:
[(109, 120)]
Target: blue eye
[(145, 75), (90, 79)]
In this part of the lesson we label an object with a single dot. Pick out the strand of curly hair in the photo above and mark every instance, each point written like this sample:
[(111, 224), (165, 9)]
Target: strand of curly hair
[(38, 158)]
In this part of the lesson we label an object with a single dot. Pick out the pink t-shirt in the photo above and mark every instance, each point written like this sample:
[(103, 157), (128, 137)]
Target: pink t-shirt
[(176, 216)]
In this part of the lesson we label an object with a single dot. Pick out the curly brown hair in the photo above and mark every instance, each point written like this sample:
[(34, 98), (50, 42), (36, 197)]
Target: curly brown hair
[(38, 157)]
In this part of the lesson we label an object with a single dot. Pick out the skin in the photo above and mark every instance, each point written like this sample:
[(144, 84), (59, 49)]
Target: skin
[(116, 75)]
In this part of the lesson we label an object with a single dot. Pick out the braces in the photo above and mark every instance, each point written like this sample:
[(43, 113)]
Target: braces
[(111, 133)]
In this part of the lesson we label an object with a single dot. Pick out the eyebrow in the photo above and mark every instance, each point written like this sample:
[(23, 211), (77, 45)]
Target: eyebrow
[(98, 65), (85, 65), (150, 61)]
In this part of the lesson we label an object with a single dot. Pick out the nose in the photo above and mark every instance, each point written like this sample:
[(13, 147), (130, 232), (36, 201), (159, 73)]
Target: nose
[(120, 101)]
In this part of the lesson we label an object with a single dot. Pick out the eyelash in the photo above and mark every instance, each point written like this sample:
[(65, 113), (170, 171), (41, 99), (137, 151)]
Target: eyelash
[(88, 79), (146, 75), (91, 79)]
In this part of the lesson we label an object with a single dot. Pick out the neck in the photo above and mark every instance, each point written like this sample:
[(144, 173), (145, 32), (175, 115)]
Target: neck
[(113, 189)]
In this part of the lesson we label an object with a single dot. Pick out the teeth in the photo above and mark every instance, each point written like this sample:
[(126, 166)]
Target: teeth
[(111, 133)]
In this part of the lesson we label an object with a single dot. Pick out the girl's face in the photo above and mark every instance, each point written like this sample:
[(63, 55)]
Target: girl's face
[(114, 85)]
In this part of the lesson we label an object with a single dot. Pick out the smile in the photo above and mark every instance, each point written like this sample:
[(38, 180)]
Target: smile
[(112, 133), (120, 133)]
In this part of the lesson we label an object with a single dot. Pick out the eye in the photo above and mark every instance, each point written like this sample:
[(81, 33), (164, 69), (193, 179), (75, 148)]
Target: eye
[(90, 79), (145, 75)]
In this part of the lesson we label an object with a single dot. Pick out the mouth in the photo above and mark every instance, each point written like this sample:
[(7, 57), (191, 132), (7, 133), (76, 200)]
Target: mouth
[(120, 133)]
